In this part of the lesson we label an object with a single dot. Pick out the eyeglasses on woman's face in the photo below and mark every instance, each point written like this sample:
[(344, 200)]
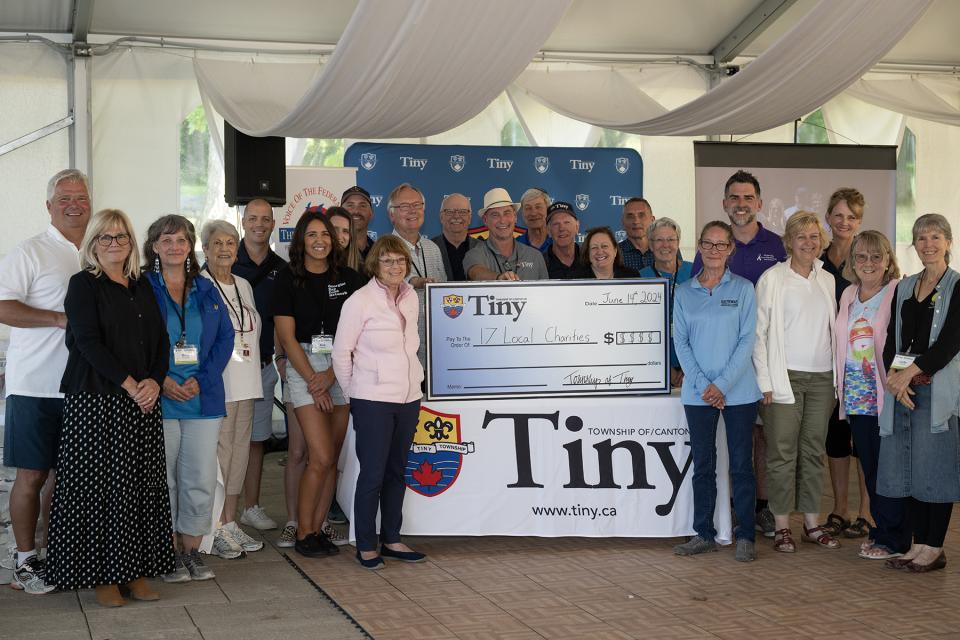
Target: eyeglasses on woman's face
[(105, 240), (706, 245)]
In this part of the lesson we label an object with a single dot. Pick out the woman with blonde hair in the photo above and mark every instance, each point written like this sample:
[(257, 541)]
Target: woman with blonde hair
[(793, 356), (110, 524)]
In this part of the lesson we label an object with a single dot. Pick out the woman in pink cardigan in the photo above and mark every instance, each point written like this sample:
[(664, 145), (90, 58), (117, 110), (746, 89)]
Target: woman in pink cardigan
[(375, 361), (861, 331)]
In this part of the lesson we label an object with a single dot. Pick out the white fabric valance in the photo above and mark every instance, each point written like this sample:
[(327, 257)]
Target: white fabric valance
[(402, 68), (936, 99), (824, 53)]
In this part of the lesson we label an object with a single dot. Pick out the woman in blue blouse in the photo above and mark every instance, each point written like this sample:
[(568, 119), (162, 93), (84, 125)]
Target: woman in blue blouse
[(201, 343), (714, 323)]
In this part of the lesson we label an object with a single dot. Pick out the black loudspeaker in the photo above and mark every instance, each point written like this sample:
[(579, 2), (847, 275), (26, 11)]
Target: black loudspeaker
[(254, 168)]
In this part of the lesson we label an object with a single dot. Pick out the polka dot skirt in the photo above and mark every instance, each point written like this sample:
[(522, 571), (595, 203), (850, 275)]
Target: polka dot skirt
[(110, 521)]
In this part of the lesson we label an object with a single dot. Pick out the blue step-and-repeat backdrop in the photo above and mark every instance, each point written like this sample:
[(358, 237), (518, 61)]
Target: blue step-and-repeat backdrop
[(595, 181)]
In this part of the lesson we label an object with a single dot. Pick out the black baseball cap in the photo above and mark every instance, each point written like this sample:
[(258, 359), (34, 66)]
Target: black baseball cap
[(561, 207), (356, 191)]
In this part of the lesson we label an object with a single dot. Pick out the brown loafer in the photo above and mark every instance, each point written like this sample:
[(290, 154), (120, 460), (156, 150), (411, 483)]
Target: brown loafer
[(938, 563), (899, 564), (108, 595), (140, 590)]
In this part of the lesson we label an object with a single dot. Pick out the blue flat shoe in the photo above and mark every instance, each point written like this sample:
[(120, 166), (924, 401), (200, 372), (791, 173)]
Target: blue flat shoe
[(374, 564), (406, 556)]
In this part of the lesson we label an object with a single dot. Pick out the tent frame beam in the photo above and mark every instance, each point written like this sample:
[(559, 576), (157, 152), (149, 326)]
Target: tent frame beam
[(755, 23)]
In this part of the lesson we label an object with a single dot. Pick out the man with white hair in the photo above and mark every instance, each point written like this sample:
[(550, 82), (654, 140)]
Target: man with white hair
[(33, 285), (533, 205), (501, 257), (454, 241)]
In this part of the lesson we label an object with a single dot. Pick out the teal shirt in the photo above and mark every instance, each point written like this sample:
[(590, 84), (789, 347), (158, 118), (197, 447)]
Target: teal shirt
[(190, 409)]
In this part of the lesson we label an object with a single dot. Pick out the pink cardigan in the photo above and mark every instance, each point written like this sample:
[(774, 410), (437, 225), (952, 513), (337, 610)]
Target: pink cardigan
[(375, 351), (841, 336)]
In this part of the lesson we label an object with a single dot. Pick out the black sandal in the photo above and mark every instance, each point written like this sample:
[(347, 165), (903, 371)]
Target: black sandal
[(859, 528), (836, 524)]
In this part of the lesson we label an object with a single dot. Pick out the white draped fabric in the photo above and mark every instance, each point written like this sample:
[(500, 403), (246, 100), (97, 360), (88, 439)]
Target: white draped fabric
[(829, 49), (403, 68), (930, 98)]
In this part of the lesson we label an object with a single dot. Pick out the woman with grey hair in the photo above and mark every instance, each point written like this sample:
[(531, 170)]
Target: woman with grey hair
[(241, 381), (663, 235), (533, 206), (920, 442), (201, 343)]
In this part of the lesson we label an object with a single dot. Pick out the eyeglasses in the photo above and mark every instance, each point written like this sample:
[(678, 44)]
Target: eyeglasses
[(862, 258), (407, 207), (706, 245), (106, 240), (392, 262), (457, 213)]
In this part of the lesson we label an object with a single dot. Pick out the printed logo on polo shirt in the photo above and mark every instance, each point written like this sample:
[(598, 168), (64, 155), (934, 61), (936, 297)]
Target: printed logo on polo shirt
[(436, 455), (729, 302), (368, 160), (583, 201), (766, 257), (541, 164), (457, 163), (337, 290), (453, 305), (622, 165)]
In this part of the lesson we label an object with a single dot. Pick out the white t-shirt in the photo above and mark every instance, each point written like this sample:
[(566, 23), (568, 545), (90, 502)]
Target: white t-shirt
[(36, 273), (806, 324), (241, 378)]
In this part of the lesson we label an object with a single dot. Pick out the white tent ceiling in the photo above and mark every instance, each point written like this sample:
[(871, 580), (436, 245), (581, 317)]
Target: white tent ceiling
[(678, 27)]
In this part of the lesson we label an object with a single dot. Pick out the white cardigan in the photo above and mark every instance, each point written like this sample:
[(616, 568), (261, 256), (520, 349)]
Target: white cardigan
[(769, 358)]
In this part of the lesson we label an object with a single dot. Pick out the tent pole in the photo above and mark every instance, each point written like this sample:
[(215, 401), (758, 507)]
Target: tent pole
[(78, 104)]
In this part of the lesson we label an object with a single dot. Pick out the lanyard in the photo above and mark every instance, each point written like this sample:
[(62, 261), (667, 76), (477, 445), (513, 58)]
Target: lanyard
[(181, 315), (496, 257), (673, 278), (418, 250), (227, 300)]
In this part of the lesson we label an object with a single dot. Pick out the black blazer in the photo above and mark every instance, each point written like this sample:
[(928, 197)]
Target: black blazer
[(440, 242), (112, 332)]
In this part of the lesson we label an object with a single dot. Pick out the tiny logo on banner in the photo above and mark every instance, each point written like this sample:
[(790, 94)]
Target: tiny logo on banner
[(453, 305), (376, 200), (541, 164), (436, 455), (583, 201), (368, 160), (457, 163), (286, 234), (622, 165)]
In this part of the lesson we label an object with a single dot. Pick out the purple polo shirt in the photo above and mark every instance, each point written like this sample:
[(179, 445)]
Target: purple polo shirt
[(750, 260)]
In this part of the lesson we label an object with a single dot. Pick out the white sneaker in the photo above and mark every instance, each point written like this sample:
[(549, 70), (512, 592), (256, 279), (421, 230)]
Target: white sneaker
[(180, 572), (258, 519), (335, 536), (240, 537), (30, 577), (288, 537), (225, 546)]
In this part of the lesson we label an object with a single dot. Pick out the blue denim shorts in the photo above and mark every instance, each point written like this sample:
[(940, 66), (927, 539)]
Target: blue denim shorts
[(31, 434), (297, 386)]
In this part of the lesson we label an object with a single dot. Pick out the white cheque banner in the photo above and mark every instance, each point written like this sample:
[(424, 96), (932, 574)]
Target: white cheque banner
[(547, 338), (578, 467)]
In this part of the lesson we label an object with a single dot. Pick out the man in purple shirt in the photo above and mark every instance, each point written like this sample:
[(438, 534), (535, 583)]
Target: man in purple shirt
[(758, 249)]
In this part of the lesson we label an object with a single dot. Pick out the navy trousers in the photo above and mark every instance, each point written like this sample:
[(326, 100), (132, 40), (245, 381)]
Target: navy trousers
[(384, 432)]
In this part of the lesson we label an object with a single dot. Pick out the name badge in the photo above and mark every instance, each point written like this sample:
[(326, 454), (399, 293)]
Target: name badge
[(321, 343), (902, 361), (186, 354), (241, 351)]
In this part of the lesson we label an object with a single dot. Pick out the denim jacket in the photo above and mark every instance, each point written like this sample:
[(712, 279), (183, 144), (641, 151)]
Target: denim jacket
[(216, 342), (945, 386)]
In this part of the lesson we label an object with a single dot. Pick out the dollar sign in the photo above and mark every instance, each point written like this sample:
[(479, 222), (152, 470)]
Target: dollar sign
[(608, 337)]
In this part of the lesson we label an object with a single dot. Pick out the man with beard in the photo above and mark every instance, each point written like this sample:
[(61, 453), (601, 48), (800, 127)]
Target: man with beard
[(501, 257), (758, 249), (357, 201)]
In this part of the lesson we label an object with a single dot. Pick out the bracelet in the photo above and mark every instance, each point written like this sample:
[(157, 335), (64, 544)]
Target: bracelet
[(279, 358)]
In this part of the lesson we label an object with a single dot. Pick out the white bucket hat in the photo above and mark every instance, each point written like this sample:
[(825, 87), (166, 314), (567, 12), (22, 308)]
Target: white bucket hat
[(497, 197)]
